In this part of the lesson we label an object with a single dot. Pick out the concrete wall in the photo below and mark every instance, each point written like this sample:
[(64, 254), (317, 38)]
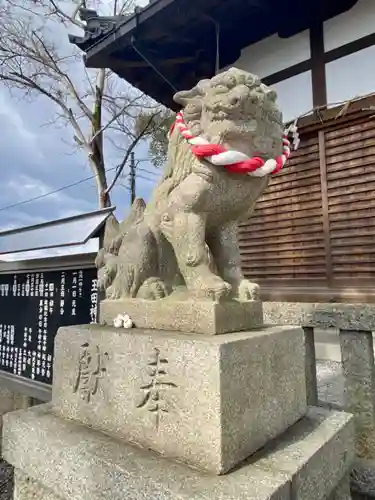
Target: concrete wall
[(348, 77), (356, 23), (353, 75), (274, 54)]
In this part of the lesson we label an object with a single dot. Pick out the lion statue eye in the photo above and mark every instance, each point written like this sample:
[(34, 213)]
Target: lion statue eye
[(220, 89), (234, 101)]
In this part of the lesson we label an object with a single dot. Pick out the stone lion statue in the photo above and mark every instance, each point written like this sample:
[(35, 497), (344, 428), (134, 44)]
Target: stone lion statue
[(184, 242)]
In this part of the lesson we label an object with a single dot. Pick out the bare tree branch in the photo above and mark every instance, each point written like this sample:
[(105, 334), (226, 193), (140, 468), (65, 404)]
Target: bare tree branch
[(26, 81), (109, 123), (120, 167), (64, 75), (73, 17), (97, 106)]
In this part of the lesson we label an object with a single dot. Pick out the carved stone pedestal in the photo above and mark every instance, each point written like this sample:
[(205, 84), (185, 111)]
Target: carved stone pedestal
[(162, 415), (208, 401), (189, 316)]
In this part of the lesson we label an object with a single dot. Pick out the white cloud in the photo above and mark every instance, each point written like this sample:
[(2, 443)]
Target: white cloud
[(61, 204), (9, 114), (25, 187)]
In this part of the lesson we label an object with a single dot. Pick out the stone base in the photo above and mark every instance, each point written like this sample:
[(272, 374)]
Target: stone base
[(210, 401), (56, 459), (191, 316)]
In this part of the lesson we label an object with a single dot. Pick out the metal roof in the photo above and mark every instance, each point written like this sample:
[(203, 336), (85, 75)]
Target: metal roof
[(49, 263), (67, 232), (171, 44)]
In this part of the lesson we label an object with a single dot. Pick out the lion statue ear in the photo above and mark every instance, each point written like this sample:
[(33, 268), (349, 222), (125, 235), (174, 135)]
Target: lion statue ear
[(185, 97)]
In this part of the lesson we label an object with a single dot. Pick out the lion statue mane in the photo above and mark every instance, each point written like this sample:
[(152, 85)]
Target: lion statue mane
[(184, 241)]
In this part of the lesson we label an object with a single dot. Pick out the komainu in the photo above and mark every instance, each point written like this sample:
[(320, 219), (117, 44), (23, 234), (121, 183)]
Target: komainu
[(184, 241)]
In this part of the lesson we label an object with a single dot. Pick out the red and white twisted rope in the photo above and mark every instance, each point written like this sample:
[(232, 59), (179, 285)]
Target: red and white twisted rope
[(235, 161)]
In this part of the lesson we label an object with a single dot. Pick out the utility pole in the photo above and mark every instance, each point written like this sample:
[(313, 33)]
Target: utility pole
[(132, 177)]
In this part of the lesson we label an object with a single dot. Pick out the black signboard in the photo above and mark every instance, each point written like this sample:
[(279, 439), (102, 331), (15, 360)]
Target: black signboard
[(32, 308)]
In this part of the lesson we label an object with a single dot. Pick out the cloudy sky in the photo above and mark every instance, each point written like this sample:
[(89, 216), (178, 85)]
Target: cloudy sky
[(37, 158)]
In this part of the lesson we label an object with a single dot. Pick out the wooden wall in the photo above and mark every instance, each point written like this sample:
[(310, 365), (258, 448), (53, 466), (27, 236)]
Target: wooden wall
[(312, 235)]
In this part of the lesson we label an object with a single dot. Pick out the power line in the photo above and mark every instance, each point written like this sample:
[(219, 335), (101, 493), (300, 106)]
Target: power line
[(68, 186), (49, 193), (147, 179), (147, 171), (147, 160), (44, 195)]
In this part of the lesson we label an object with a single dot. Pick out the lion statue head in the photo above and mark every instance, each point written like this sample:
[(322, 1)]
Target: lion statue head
[(235, 109)]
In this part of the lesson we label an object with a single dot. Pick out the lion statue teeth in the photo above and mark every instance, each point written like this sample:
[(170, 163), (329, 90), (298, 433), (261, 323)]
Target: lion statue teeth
[(184, 241)]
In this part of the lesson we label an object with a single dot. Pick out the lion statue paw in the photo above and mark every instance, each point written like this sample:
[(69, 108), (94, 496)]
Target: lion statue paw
[(247, 290), (212, 287), (153, 289)]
